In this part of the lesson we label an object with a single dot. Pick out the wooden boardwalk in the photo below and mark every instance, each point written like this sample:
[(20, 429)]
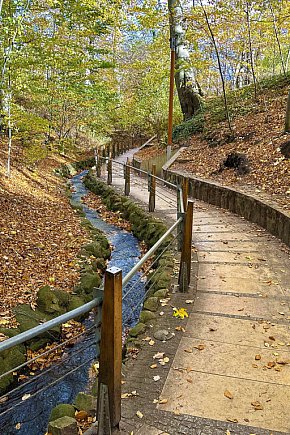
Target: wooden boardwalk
[(230, 369)]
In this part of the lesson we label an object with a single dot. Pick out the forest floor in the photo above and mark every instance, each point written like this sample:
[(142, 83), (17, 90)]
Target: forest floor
[(259, 135), (40, 235)]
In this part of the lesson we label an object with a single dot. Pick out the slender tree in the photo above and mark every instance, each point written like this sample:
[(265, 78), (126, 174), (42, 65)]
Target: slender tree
[(187, 87), (219, 66)]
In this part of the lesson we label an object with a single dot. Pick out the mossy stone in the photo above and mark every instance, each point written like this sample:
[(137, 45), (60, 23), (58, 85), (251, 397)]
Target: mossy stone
[(99, 264), (6, 380), (10, 359), (161, 284), (9, 332), (86, 402), (137, 330), (75, 302), (161, 276), (63, 297), (28, 318), (89, 281), (63, 426), (47, 301), (151, 304), (95, 249), (146, 316), (62, 410), (162, 293)]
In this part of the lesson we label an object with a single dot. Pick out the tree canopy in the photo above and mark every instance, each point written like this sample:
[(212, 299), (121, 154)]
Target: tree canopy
[(73, 72)]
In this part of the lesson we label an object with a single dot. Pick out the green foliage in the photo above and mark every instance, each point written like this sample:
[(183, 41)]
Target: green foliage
[(188, 128)]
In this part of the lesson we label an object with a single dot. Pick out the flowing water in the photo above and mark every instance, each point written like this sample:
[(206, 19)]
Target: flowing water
[(30, 416)]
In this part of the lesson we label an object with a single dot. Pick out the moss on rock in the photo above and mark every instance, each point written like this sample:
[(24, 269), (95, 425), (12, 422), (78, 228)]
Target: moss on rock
[(62, 410), (137, 330), (48, 302), (147, 316), (162, 293), (151, 304)]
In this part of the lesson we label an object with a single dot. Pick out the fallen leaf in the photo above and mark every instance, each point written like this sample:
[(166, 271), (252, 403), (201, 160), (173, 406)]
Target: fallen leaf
[(180, 313), (283, 361), (232, 420), (228, 394), (162, 401), (153, 366), (257, 405), (179, 328), (4, 322), (25, 397), (151, 342), (200, 346), (81, 415), (158, 355), (188, 350), (139, 414), (189, 301), (258, 357), (156, 378), (17, 426)]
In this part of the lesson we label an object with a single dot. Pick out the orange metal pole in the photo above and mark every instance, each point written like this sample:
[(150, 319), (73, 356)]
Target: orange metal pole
[(171, 94)]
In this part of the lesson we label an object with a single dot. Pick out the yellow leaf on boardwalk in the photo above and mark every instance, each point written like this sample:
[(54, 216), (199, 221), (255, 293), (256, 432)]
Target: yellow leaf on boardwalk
[(181, 313)]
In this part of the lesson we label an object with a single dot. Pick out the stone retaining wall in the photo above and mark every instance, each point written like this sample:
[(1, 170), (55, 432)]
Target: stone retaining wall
[(270, 217)]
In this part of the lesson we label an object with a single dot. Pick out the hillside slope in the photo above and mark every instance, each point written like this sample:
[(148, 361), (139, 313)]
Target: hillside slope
[(258, 133), (40, 235)]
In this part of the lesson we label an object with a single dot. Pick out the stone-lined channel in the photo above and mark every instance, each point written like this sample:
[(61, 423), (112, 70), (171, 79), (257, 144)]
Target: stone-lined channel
[(33, 414)]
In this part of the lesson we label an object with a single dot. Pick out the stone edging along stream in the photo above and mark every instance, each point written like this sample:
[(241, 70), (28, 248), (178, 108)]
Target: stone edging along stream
[(52, 302), (144, 227), (270, 217)]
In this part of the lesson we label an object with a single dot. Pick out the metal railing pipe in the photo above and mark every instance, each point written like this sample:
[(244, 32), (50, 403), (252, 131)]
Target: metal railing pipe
[(151, 251), (40, 329)]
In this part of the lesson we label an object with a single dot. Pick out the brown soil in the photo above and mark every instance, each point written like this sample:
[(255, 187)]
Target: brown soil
[(148, 152)]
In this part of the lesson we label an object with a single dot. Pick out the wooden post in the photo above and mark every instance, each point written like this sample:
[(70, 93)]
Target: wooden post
[(109, 166), (111, 344), (180, 227), (99, 164), (185, 261), (152, 189), (185, 187), (113, 150), (127, 178)]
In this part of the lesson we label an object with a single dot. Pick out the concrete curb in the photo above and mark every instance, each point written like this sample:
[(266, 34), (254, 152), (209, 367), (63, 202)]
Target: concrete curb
[(255, 210)]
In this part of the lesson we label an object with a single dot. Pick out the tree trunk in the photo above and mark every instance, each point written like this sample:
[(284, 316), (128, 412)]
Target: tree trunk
[(287, 120), (187, 88), (219, 65)]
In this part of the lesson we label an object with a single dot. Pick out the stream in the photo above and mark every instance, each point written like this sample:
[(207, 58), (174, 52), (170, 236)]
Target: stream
[(30, 417)]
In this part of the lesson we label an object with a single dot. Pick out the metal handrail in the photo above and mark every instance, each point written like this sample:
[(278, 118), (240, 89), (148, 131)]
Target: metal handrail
[(40, 329), (151, 251), (143, 172)]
